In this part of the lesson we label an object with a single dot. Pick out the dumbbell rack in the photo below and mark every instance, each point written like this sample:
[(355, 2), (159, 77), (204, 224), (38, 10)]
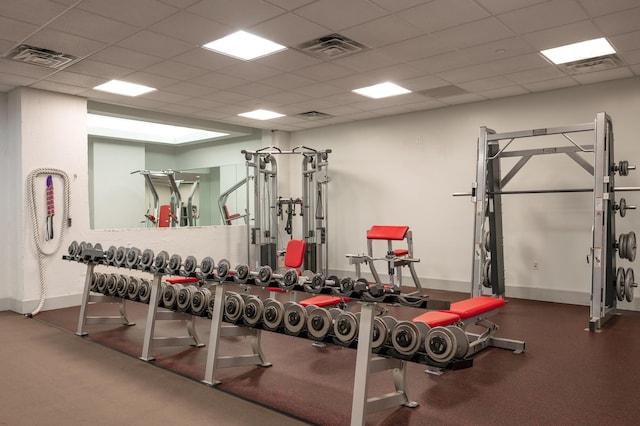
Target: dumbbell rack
[(367, 361), (487, 192)]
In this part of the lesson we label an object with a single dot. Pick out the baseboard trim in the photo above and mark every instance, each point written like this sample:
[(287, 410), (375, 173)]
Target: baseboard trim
[(28, 306)]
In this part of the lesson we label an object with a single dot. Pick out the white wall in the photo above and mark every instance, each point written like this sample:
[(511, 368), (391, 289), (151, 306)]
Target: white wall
[(8, 184), (404, 169)]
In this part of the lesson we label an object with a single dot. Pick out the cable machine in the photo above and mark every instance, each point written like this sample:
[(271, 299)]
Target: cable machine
[(608, 283), (265, 207)]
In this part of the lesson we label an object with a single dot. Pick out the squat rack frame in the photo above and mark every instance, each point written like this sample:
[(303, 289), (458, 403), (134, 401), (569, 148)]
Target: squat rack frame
[(487, 194)]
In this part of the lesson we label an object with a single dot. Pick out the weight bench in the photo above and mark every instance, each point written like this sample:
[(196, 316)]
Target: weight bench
[(395, 258), (445, 335)]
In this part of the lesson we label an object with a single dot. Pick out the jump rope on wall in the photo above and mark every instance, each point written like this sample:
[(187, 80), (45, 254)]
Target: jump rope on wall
[(49, 235)]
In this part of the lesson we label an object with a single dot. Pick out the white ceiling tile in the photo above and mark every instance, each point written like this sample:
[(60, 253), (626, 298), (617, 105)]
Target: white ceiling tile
[(444, 62), (175, 70), (626, 42), (63, 42), (398, 5), (544, 15), (151, 80), (181, 4), (498, 50), (203, 58), (323, 71), (144, 103), (438, 15), (500, 6), (564, 34), (155, 44), (228, 97), (599, 7), (632, 57), (201, 103), (99, 69), (415, 48), (15, 79), (37, 12), (5, 46), (289, 4), (13, 30), (339, 14), (558, 83), (463, 99), (289, 30), (351, 82), (619, 23), (288, 60), (92, 26), (468, 73), (179, 109), (249, 71), (287, 81), (425, 105), (53, 86), (383, 31), (595, 77), (9, 66), (474, 33), (418, 84), (218, 80), (212, 115), (393, 73), (320, 90), (539, 74), (236, 14), (484, 84), (189, 89), (255, 89), (139, 12), (283, 98), (343, 98), (66, 2), (164, 96), (7, 87), (125, 57), (366, 60), (636, 69), (504, 92), (519, 63), (76, 79), (191, 28), (340, 110)]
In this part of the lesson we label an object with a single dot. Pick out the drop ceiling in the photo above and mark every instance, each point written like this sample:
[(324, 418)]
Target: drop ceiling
[(446, 52)]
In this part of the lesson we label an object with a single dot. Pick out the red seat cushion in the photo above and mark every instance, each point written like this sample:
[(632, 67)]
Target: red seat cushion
[(475, 306), (323, 300), (400, 252), (378, 232), (295, 253), (437, 318), (182, 280)]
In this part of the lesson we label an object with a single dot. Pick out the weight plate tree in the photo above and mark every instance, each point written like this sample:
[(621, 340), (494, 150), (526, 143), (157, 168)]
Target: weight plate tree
[(487, 194)]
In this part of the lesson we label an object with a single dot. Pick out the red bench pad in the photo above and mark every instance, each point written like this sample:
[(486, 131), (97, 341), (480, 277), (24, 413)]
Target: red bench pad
[(182, 280), (378, 232), (475, 306), (400, 252), (294, 256), (323, 300), (437, 318)]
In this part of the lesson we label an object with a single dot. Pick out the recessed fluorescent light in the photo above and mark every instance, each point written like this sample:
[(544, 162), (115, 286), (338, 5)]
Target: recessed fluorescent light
[(244, 45), (382, 90), (138, 130), (261, 114), (123, 88), (577, 51)]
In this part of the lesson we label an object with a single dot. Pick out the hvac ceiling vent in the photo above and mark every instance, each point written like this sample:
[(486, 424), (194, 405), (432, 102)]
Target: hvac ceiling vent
[(42, 57), (444, 91), (583, 66), (332, 46), (313, 115)]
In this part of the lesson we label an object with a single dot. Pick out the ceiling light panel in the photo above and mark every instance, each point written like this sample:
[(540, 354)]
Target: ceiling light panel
[(138, 130), (123, 88), (261, 114), (579, 51), (382, 90), (244, 45)]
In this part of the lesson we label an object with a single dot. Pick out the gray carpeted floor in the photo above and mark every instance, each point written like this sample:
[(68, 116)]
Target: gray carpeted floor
[(50, 376)]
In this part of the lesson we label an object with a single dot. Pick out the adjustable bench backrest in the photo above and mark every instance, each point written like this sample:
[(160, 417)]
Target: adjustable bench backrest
[(390, 233), (294, 256)]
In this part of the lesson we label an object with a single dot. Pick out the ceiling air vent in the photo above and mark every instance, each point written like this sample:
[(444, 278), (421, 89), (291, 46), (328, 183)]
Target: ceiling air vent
[(600, 63), (313, 115), (42, 57), (332, 46)]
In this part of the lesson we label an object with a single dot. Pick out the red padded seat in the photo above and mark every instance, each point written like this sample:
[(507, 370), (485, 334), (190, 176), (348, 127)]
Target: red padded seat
[(378, 232), (475, 306), (294, 255), (400, 252), (182, 280), (437, 318), (323, 300)]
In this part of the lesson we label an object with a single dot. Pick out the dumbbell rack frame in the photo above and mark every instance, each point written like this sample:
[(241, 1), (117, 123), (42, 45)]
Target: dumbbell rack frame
[(488, 190)]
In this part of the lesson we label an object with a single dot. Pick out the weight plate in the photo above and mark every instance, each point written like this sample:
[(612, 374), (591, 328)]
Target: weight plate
[(111, 254), (307, 274), (289, 279), (295, 318), (486, 240), (121, 256), (207, 266), (629, 284), (102, 283), (486, 280), (441, 344), (132, 257), (223, 269), (346, 286), (332, 280), (175, 261), (170, 295), (253, 309), (345, 327), (73, 248), (630, 246), (620, 275), (319, 323), (405, 338), (81, 248), (264, 274), (190, 264), (161, 260), (133, 288), (200, 301), (122, 286), (112, 284), (273, 314), (210, 305), (185, 294), (623, 167), (93, 285), (233, 307), (144, 293), (146, 260), (242, 274), (316, 284), (623, 207), (461, 339), (380, 333), (622, 246)]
